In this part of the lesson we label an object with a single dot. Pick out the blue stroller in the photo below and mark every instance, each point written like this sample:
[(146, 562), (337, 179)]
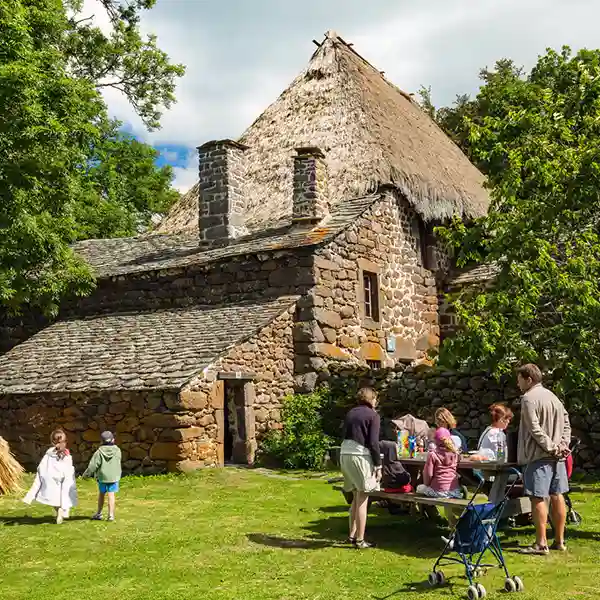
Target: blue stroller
[(473, 536)]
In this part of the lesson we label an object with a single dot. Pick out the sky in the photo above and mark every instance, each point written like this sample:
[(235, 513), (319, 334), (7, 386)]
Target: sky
[(241, 54)]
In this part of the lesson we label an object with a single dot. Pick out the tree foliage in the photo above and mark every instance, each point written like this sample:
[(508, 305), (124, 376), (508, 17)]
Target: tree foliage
[(122, 59), (537, 137), (301, 444), (65, 170), (123, 188)]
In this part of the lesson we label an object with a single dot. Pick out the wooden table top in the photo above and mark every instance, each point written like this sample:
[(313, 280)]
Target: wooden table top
[(465, 463)]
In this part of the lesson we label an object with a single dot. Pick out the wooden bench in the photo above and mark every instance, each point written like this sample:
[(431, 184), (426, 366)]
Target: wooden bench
[(514, 507), (415, 499)]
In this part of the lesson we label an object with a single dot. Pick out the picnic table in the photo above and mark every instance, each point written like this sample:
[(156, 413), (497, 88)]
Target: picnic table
[(501, 472)]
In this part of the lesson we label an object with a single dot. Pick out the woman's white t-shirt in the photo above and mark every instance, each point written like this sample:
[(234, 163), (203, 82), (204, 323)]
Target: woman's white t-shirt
[(488, 442)]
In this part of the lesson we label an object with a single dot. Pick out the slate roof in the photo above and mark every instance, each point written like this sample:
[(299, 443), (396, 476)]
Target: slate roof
[(120, 256), (142, 351)]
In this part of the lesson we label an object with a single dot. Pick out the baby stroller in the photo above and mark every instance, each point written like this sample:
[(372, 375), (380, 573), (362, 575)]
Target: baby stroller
[(473, 536)]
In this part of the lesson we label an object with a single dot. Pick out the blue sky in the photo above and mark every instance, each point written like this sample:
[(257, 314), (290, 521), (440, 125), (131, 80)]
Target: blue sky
[(241, 54)]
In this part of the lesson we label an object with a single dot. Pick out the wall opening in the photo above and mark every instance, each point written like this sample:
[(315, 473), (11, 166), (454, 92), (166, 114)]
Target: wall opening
[(238, 422)]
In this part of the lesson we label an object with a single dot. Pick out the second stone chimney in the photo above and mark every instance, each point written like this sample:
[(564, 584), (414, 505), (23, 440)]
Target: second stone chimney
[(311, 199), (221, 197)]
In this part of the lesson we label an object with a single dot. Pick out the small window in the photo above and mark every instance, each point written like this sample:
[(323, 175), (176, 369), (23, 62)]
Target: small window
[(374, 364), (427, 246), (371, 289)]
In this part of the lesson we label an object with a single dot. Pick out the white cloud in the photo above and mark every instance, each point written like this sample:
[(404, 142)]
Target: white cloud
[(241, 55), (185, 177)]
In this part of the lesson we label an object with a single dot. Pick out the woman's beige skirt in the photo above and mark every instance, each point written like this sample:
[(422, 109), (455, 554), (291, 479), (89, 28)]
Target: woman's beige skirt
[(358, 473)]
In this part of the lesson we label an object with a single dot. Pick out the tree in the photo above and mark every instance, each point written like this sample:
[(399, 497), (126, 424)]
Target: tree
[(46, 124), (123, 187), (121, 59), (64, 169), (455, 120), (538, 138)]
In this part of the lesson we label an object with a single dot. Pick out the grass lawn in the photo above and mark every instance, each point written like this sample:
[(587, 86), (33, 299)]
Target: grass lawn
[(238, 534)]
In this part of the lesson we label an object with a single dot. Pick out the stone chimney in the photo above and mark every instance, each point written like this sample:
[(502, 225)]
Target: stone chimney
[(311, 200), (221, 198)]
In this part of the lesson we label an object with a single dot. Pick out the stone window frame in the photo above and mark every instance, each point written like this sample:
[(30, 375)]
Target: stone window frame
[(366, 266)]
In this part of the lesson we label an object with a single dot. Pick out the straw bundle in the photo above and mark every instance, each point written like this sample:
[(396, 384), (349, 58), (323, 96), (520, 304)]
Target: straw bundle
[(11, 472)]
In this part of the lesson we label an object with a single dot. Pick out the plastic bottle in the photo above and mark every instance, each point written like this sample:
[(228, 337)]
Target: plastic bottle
[(420, 446), (500, 451), (412, 446)]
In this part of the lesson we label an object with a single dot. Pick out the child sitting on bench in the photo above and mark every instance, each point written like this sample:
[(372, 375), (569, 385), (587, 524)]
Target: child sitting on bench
[(440, 475), (394, 477)]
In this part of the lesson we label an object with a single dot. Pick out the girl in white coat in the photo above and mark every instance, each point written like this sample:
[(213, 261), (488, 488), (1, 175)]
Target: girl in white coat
[(54, 483)]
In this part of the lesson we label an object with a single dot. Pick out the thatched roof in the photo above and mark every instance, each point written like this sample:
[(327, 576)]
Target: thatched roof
[(372, 134)]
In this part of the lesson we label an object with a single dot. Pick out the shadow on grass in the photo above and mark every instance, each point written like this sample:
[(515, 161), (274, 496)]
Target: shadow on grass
[(419, 587), (27, 520), (393, 534), (334, 509), (274, 541)]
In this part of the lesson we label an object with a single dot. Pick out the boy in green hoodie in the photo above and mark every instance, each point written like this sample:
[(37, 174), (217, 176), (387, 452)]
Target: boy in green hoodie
[(105, 466)]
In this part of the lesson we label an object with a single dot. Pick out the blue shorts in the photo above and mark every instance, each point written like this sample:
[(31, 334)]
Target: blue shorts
[(108, 487), (545, 478)]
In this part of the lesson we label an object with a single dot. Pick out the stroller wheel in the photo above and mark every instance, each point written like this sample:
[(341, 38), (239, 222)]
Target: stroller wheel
[(519, 584), (510, 585), (441, 579), (574, 518), (481, 590), (472, 593), (432, 579)]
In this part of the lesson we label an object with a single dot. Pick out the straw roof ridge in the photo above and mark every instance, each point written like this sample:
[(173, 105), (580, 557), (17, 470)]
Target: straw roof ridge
[(372, 134)]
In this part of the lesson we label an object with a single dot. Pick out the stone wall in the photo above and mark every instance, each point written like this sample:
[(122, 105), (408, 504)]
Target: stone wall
[(222, 203), (268, 357), (420, 391), (331, 323), (156, 431), (310, 200)]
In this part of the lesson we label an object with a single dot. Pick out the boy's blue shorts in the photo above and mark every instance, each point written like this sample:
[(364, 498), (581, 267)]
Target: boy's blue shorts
[(108, 487)]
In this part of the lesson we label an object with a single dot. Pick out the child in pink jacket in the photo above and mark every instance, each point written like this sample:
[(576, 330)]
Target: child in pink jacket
[(440, 477)]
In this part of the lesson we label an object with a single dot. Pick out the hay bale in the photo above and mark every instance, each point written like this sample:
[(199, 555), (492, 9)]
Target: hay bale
[(11, 472)]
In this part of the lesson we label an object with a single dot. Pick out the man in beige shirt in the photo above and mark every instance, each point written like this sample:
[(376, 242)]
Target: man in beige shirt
[(544, 438)]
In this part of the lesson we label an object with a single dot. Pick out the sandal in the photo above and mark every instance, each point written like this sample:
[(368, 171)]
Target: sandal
[(362, 545), (558, 547), (535, 549)]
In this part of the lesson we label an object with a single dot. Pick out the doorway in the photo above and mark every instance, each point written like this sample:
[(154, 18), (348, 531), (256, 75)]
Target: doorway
[(239, 443)]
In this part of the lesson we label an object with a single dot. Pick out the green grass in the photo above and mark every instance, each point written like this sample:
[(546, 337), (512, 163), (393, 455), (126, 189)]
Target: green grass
[(235, 534)]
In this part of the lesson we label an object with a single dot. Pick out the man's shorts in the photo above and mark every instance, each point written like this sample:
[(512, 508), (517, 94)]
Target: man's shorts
[(545, 478), (108, 487)]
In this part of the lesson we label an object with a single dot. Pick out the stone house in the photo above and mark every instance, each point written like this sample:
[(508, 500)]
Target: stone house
[(309, 239)]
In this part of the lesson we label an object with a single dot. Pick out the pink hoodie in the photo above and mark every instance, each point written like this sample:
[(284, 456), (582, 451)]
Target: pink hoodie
[(439, 472)]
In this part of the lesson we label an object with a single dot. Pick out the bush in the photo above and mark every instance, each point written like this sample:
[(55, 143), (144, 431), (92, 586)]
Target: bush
[(301, 444)]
